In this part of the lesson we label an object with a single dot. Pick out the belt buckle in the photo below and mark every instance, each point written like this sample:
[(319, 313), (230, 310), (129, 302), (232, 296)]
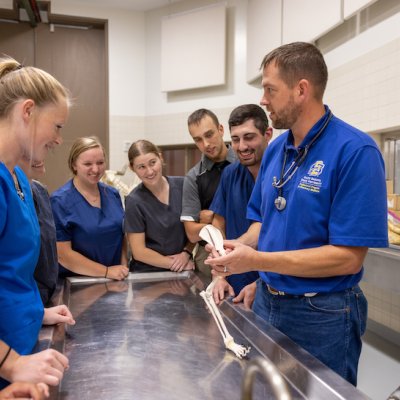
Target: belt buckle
[(310, 294), (275, 292)]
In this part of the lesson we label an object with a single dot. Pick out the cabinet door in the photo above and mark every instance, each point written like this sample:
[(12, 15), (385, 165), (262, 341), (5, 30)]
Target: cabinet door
[(77, 58), (16, 40), (178, 160)]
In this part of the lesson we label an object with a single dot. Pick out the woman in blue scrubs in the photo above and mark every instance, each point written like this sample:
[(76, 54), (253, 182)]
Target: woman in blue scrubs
[(33, 109), (88, 215), (156, 235)]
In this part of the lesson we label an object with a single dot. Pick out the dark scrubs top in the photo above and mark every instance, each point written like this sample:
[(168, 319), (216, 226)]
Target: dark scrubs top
[(96, 233), (144, 213), (46, 271), (230, 201)]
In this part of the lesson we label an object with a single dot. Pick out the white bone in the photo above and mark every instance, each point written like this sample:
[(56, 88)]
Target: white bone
[(214, 237)]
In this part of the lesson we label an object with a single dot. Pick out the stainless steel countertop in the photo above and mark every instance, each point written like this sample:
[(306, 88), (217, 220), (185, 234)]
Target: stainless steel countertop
[(151, 337)]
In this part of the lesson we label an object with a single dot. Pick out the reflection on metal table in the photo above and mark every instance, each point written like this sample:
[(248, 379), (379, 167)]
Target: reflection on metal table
[(151, 337)]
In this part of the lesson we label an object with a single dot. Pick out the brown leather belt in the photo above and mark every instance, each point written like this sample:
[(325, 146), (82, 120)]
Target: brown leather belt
[(276, 292)]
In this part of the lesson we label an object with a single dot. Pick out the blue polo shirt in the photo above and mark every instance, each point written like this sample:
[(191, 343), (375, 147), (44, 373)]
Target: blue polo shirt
[(230, 201), (21, 309), (337, 197), (96, 233)]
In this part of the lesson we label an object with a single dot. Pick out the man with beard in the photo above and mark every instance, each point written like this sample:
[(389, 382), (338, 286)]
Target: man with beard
[(202, 180), (319, 202), (250, 134)]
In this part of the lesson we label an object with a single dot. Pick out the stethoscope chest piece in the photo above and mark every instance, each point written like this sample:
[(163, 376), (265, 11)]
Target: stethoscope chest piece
[(280, 203)]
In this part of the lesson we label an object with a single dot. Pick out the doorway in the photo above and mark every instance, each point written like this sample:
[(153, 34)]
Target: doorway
[(77, 56)]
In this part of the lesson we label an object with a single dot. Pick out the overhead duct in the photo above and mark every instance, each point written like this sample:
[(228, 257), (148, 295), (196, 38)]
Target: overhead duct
[(32, 11)]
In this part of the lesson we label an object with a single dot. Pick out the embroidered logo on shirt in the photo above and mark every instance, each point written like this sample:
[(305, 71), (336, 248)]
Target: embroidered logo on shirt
[(316, 168), (311, 182)]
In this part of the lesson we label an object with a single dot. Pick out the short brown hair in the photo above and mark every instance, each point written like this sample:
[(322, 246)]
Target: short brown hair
[(196, 116), (141, 147), (81, 145), (246, 112), (18, 82), (299, 60)]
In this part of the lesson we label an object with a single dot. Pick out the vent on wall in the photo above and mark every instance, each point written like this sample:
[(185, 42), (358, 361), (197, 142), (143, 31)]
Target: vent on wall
[(36, 12)]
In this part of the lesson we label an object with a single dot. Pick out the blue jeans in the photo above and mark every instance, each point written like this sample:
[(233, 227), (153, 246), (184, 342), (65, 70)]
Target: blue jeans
[(328, 325)]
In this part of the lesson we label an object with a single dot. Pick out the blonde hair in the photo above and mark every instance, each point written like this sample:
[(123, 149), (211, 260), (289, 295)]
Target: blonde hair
[(81, 145), (18, 82)]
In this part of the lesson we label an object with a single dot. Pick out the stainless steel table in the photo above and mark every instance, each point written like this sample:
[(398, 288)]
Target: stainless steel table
[(151, 337)]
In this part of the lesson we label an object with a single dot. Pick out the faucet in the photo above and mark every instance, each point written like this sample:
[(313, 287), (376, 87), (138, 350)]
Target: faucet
[(270, 372)]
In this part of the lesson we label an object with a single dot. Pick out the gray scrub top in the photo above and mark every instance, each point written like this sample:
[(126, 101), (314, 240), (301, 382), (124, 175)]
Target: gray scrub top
[(164, 232)]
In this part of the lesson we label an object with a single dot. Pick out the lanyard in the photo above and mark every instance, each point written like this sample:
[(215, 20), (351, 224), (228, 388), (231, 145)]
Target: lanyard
[(280, 201)]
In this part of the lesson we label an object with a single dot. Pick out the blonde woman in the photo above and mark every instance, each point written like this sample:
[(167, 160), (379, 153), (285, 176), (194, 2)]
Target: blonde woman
[(33, 109), (88, 215), (152, 215)]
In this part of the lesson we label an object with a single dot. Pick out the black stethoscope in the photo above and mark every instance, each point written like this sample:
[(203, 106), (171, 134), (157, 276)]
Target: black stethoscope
[(280, 201)]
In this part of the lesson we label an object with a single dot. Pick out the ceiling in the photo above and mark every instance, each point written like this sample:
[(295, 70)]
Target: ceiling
[(135, 5)]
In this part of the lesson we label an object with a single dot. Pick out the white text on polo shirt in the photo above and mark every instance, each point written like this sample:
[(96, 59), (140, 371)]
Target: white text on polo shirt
[(311, 182)]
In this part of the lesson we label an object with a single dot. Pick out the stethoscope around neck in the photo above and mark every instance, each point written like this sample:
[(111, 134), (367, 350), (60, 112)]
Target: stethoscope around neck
[(280, 201)]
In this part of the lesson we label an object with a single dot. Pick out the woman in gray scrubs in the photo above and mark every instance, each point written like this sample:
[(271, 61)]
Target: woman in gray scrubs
[(152, 215)]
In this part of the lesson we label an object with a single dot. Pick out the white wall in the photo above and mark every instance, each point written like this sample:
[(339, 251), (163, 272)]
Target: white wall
[(181, 31), (363, 87), (166, 114), (364, 83), (126, 58), (138, 108)]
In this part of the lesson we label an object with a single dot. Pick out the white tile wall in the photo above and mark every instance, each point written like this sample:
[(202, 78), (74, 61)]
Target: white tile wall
[(383, 306), (124, 129), (366, 91)]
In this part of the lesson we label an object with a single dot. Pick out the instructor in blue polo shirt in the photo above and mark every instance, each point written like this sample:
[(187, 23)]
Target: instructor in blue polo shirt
[(319, 202)]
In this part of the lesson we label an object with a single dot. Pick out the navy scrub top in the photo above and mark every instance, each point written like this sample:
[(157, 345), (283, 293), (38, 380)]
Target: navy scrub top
[(230, 201), (46, 272), (96, 233)]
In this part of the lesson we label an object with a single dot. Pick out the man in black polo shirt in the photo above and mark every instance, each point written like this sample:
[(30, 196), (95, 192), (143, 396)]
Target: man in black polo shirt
[(202, 180)]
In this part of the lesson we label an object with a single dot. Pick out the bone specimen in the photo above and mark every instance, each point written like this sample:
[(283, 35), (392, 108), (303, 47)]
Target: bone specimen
[(213, 236)]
